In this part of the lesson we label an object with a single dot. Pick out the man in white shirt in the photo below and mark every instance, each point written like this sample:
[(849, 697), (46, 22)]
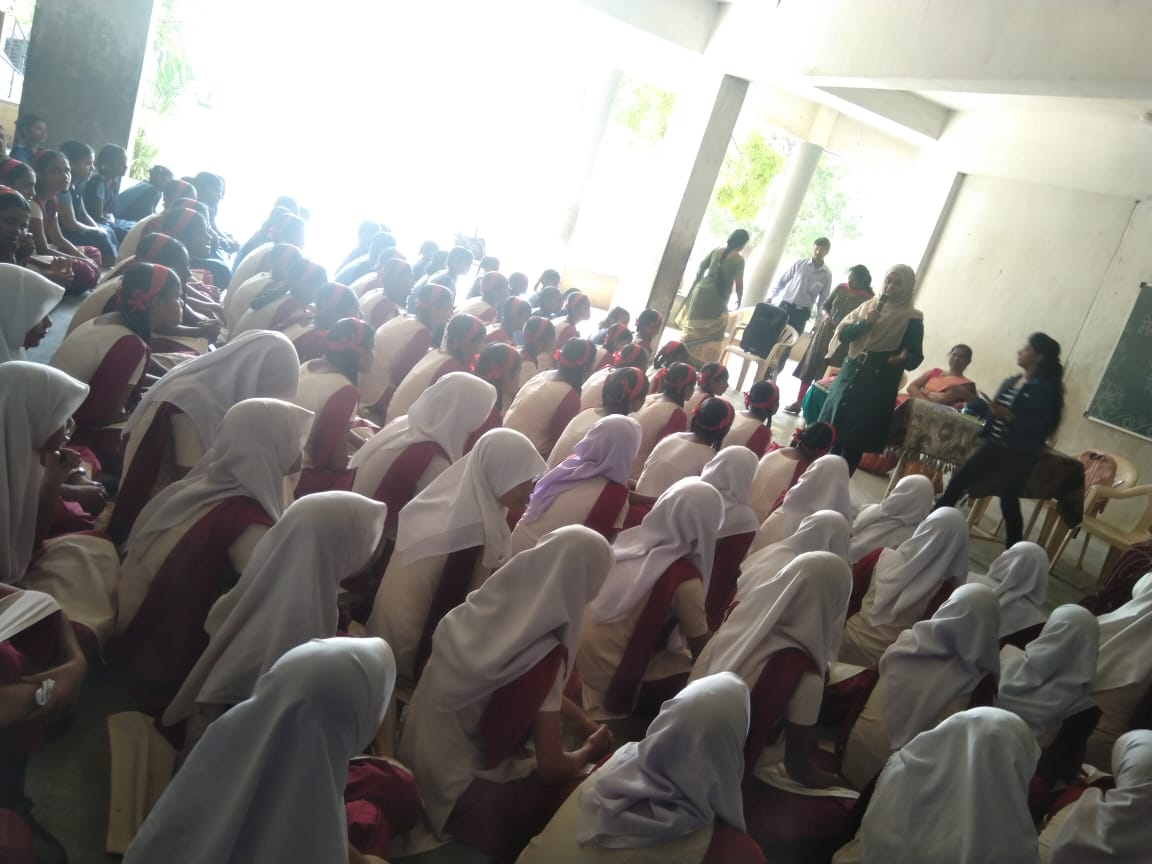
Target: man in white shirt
[(804, 286)]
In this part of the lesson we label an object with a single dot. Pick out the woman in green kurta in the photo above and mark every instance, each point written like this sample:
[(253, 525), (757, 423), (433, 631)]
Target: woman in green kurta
[(705, 310), (885, 337)]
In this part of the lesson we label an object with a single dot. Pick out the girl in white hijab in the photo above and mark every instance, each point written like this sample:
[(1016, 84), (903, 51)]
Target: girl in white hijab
[(1124, 672), (78, 571), (286, 596), (904, 582), (672, 549), (894, 519), (824, 486), (1019, 576), (730, 473), (671, 798), (800, 607), (823, 531), (508, 647), (27, 299), (431, 436), (449, 538), (930, 673), (1108, 827), (955, 794), (266, 783)]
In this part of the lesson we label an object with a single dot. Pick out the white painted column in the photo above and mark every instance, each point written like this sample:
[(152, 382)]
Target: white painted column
[(595, 116)]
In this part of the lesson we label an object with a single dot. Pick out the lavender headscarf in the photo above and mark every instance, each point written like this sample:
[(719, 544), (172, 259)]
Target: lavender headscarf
[(606, 451)]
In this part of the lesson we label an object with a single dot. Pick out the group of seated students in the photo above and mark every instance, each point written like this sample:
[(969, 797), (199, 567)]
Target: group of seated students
[(406, 558)]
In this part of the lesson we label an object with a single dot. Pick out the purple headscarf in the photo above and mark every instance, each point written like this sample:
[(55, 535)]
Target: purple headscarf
[(606, 451)]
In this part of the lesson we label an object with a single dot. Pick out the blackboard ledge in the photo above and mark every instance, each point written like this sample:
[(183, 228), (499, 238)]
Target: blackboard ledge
[(1142, 437)]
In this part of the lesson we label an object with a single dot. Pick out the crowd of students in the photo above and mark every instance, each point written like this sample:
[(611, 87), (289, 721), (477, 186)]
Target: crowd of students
[(401, 557)]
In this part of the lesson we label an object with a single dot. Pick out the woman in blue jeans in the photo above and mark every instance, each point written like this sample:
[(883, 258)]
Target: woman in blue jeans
[(1023, 416)]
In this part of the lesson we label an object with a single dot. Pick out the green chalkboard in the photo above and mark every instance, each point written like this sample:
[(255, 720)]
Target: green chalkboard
[(1124, 397)]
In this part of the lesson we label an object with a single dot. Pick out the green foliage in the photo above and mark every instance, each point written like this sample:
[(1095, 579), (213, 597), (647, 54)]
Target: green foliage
[(826, 211), (144, 155), (173, 74), (745, 177), (643, 110)]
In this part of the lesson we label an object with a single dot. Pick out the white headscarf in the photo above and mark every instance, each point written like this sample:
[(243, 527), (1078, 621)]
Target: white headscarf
[(731, 473), (682, 524), (824, 486), (460, 508), (448, 413), (802, 606), (938, 660), (286, 596), (907, 575), (35, 401), (26, 298), (257, 363), (21, 609), (525, 609), (266, 783), (894, 519), (1113, 826), (258, 442), (1124, 639), (685, 775), (1019, 576), (1050, 680), (956, 794), (823, 531)]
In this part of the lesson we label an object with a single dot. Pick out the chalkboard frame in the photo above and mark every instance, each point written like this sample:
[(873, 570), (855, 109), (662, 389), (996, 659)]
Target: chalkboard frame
[(1105, 394)]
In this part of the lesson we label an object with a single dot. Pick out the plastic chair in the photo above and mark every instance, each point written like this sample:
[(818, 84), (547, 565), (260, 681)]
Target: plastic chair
[(1118, 538), (1126, 476), (735, 326), (787, 339)]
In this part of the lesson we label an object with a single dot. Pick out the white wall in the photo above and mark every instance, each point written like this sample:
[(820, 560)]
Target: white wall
[(1016, 257)]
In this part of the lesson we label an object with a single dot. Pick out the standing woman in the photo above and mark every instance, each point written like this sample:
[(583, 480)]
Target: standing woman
[(844, 299), (705, 311), (547, 403), (1023, 416), (884, 337), (463, 340)]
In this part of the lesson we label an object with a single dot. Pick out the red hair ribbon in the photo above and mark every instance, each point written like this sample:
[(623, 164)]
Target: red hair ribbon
[(721, 422), (587, 350), (140, 300)]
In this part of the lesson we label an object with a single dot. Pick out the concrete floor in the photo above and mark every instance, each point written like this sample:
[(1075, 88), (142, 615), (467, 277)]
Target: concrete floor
[(68, 781)]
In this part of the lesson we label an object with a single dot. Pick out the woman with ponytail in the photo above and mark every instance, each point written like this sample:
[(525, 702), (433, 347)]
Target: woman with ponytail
[(623, 393), (1021, 418), (712, 380), (753, 426), (686, 453), (546, 404), (705, 311), (670, 352), (663, 414), (284, 302), (402, 342), (463, 339), (539, 346)]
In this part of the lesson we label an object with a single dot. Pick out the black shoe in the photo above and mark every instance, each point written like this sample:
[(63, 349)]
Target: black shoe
[(48, 849)]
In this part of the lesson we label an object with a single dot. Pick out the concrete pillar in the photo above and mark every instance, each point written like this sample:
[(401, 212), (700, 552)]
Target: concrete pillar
[(705, 147), (596, 114), (784, 208), (85, 59)]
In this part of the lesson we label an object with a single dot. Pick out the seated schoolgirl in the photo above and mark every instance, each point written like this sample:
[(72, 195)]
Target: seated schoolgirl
[(674, 798), (894, 519), (823, 531), (779, 640), (711, 381), (310, 336), (192, 541), (577, 310), (177, 195), (420, 267), (284, 302), (782, 469), (752, 427), (286, 596), (936, 668), (110, 354), (103, 187), (322, 702), (282, 228), (496, 677), (487, 264), (957, 793), (518, 284), (588, 488), (17, 245), (623, 393), (684, 454), (1123, 673), (649, 323), (1047, 684), (53, 177), (548, 282), (382, 247), (78, 571), (389, 297), (539, 347), (457, 262), (27, 300), (366, 231), (189, 225), (627, 662), (500, 366), (618, 315), (403, 458), (178, 419), (628, 355), (549, 302), (514, 315), (493, 293), (546, 403), (400, 345), (670, 353), (140, 201), (274, 267), (28, 137), (822, 486), (1019, 576), (663, 412), (613, 339), (449, 539), (895, 588), (730, 473), (77, 225), (463, 340)]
